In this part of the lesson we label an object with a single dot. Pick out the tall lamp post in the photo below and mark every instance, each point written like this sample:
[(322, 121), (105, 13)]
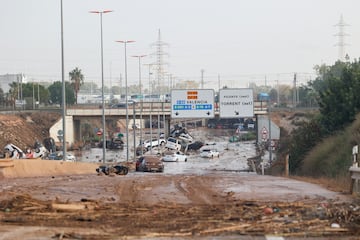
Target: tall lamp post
[(151, 104), (63, 85), (140, 87), (270, 140), (125, 42), (102, 81)]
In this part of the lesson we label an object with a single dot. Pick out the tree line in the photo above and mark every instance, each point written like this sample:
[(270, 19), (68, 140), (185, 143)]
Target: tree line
[(337, 89), (39, 94)]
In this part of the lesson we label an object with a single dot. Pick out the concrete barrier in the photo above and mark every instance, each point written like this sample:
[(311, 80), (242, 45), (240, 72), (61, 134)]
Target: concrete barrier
[(38, 167), (355, 178)]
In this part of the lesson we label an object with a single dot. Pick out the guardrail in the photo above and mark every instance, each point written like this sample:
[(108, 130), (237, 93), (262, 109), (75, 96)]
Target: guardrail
[(355, 179)]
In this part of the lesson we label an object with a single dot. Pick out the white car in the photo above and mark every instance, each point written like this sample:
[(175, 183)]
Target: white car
[(209, 153), (186, 137), (59, 156), (175, 157), (155, 142)]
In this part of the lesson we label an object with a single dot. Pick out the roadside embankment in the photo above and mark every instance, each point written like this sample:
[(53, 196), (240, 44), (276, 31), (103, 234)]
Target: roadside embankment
[(38, 167)]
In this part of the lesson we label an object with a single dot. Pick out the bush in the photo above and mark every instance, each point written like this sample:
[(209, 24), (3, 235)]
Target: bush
[(332, 157), (302, 141)]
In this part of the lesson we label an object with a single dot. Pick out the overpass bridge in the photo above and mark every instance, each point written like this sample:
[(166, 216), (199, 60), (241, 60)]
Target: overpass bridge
[(78, 114)]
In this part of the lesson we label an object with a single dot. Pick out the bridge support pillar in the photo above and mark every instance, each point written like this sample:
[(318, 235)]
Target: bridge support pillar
[(69, 131), (167, 127)]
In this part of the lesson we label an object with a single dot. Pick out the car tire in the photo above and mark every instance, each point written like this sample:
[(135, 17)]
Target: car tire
[(121, 170), (124, 171)]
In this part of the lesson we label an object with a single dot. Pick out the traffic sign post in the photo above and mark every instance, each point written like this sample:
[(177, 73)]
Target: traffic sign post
[(99, 132), (236, 103), (193, 103), (264, 133)]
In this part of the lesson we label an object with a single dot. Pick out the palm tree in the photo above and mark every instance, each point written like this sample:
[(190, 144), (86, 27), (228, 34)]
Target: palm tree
[(77, 79), (14, 93)]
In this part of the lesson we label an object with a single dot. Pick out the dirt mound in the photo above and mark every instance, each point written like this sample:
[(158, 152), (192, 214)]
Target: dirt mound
[(23, 129)]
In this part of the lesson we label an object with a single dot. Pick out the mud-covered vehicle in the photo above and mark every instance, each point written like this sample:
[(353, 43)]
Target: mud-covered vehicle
[(149, 163), (115, 143), (117, 169)]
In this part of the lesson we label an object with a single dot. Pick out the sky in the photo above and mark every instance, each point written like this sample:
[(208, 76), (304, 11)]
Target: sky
[(220, 43)]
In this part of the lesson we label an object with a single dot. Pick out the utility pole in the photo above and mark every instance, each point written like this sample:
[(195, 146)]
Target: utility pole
[(294, 92), (121, 85), (110, 90), (265, 81), (202, 78)]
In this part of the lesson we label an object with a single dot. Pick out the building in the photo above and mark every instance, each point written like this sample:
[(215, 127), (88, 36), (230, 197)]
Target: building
[(7, 79)]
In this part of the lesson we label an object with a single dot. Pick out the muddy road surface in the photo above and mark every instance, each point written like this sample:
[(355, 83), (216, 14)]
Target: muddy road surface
[(155, 205)]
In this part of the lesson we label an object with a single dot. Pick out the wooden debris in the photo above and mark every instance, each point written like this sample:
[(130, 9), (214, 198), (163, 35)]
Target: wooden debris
[(226, 229), (72, 206), (288, 219)]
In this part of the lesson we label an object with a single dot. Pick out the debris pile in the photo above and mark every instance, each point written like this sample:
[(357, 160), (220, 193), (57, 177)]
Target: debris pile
[(301, 219)]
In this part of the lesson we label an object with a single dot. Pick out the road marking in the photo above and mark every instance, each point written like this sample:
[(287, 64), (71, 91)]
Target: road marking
[(274, 238)]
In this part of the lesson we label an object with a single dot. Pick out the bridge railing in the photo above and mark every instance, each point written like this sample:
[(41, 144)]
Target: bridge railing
[(144, 107)]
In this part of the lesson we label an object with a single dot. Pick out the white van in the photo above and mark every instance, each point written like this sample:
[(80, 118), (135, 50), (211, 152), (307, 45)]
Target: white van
[(173, 144)]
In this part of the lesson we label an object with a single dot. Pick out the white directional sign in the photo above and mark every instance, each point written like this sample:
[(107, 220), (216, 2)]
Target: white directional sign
[(236, 103), (193, 103)]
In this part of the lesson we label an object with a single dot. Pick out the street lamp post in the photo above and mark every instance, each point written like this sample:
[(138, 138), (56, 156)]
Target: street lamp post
[(63, 85), (270, 140), (38, 98), (141, 100), (139, 58), (125, 42), (102, 81), (33, 95), (151, 103)]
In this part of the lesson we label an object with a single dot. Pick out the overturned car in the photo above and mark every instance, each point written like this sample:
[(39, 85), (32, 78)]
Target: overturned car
[(117, 169)]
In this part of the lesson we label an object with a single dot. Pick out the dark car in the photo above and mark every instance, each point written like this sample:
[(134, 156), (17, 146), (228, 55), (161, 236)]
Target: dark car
[(149, 163), (119, 105), (59, 156), (140, 150), (122, 104), (117, 169), (195, 145), (115, 143)]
